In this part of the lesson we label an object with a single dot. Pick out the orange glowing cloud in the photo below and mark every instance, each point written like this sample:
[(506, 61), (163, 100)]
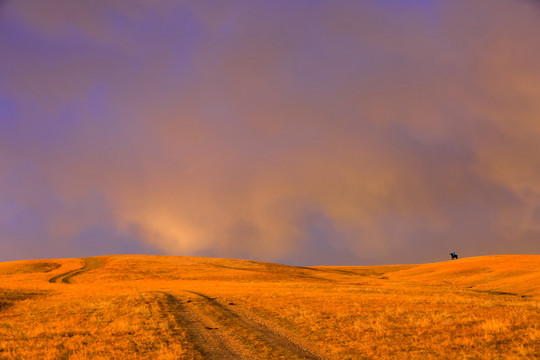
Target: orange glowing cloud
[(303, 133)]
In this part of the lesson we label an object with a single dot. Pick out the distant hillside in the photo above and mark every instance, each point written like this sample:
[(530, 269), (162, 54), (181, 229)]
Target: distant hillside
[(518, 274)]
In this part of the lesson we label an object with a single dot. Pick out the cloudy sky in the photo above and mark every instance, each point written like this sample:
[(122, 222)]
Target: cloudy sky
[(300, 132)]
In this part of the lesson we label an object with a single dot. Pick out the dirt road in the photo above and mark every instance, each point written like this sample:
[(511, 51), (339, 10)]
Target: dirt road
[(225, 331)]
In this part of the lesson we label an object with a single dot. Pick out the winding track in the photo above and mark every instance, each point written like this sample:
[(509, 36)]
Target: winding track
[(90, 263), (213, 343)]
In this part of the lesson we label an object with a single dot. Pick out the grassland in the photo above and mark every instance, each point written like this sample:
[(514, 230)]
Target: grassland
[(158, 307)]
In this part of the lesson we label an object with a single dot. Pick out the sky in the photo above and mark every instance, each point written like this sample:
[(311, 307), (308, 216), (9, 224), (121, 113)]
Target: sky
[(299, 132)]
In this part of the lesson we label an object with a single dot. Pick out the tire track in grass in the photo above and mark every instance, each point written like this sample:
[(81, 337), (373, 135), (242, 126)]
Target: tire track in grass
[(206, 334), (203, 334), (90, 263), (270, 334)]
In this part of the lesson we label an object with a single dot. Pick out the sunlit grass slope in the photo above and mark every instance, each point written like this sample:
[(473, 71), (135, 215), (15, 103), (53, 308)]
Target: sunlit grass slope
[(164, 307), (517, 274)]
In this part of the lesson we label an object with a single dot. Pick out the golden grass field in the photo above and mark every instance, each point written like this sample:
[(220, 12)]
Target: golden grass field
[(165, 307)]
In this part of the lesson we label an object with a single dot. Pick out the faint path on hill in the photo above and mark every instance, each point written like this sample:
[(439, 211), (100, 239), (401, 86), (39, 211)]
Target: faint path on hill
[(211, 342), (90, 263), (216, 344)]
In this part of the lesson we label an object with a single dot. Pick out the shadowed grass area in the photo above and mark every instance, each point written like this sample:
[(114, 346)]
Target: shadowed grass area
[(35, 266), (8, 297)]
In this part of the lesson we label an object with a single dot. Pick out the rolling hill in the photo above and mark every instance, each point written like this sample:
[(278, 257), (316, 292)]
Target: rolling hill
[(166, 307)]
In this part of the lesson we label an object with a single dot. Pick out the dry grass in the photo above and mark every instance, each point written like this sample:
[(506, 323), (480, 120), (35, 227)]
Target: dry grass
[(120, 307)]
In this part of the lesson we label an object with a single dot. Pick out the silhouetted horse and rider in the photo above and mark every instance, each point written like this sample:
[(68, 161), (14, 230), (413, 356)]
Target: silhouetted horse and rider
[(453, 255)]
